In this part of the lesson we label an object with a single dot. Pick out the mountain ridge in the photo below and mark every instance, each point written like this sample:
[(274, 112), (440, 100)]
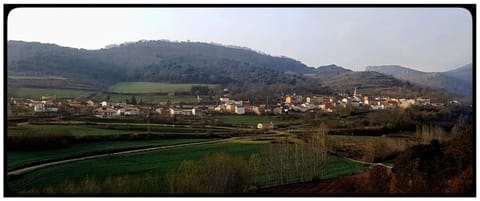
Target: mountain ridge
[(458, 80), (184, 62)]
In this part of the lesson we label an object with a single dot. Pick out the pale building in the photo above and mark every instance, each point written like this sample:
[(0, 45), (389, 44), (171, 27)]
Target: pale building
[(288, 100), (239, 110), (365, 100)]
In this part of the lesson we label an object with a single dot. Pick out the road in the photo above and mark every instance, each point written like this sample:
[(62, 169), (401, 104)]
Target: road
[(48, 164), (362, 162)]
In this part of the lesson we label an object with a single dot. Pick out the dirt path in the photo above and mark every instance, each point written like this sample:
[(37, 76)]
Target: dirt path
[(48, 164), (363, 162)]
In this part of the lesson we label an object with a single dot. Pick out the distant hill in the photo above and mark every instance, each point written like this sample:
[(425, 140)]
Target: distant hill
[(457, 81), (37, 60), (245, 71), (365, 82), (399, 72), (326, 72), (157, 61), (464, 73), (332, 68)]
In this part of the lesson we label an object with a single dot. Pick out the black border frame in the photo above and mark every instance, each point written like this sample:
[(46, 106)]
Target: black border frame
[(7, 8)]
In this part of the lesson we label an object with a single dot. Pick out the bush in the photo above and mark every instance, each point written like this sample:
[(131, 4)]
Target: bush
[(379, 179), (217, 173), (114, 184), (40, 140)]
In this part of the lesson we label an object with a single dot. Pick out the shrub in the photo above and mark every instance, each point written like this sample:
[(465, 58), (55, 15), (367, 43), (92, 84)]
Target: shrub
[(217, 173), (114, 184), (40, 140), (379, 179)]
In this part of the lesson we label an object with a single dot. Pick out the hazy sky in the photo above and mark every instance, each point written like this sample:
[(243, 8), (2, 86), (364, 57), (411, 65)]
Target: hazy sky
[(428, 39)]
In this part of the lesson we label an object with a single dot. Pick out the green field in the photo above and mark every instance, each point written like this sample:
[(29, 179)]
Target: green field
[(114, 129), (337, 167), (252, 120), (154, 87), (77, 130), (155, 162), (390, 162), (37, 93), (149, 99), (21, 158)]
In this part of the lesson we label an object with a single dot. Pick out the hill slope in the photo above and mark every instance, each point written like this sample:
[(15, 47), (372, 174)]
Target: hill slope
[(457, 81), (464, 73), (158, 61), (245, 71)]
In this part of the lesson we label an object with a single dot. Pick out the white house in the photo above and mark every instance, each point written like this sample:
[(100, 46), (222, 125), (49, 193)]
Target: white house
[(159, 110), (179, 111), (132, 111), (224, 99), (128, 111), (239, 109), (39, 107), (105, 113)]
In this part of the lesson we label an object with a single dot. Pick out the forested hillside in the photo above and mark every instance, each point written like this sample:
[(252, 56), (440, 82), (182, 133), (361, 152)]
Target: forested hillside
[(246, 71)]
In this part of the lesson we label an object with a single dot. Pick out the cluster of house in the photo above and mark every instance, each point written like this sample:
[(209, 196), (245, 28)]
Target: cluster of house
[(113, 110), (225, 104), (379, 103)]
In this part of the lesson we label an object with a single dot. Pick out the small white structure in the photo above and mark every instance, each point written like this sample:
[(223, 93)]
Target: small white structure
[(159, 110), (265, 125), (132, 111), (224, 99), (39, 108), (239, 109), (104, 104), (256, 110), (128, 111), (365, 100), (90, 103), (185, 112), (105, 113)]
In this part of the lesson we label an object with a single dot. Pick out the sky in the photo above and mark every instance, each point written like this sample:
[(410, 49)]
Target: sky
[(426, 39)]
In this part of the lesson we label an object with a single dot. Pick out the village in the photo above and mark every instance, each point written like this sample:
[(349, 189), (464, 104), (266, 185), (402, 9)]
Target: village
[(50, 106)]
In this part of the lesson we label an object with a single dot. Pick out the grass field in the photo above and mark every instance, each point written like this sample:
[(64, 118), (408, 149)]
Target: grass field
[(77, 130), (150, 99), (37, 93), (20, 158), (337, 167), (390, 162), (252, 120), (114, 129), (155, 162), (154, 87)]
